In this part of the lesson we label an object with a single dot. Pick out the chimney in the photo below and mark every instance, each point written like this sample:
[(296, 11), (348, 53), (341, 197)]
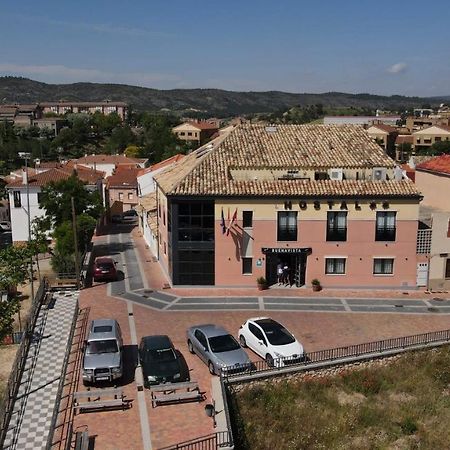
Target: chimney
[(24, 176)]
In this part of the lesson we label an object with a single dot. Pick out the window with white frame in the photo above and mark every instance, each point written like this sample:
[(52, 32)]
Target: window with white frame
[(383, 266), (335, 266), (337, 226), (120, 195), (247, 266)]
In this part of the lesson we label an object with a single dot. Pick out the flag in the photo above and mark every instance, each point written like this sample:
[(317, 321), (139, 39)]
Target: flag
[(233, 220), (222, 223)]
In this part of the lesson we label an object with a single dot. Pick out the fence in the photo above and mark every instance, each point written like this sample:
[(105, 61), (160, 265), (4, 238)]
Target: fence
[(369, 349), (12, 387), (221, 439)]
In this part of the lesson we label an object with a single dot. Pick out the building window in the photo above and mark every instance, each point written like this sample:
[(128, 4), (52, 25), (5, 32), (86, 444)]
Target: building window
[(196, 222), (130, 196), (164, 216), (189, 133), (448, 229), (383, 266), (337, 226), (39, 197), (120, 196), (165, 248), (181, 133), (247, 266), (287, 226), (17, 199), (335, 266), (247, 219), (447, 268), (385, 226)]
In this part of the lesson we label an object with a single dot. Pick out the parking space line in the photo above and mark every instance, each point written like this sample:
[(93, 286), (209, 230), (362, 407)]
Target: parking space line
[(346, 307), (143, 413), (261, 303)]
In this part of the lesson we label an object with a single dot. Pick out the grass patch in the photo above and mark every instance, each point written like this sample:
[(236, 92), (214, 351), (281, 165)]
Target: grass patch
[(403, 405)]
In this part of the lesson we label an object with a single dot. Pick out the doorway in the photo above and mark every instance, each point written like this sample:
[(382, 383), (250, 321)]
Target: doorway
[(296, 263)]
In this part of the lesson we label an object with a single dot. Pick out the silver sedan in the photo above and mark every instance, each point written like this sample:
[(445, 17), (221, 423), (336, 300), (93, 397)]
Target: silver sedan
[(217, 348)]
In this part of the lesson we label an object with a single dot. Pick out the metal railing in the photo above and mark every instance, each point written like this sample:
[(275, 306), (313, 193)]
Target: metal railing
[(369, 349), (12, 387), (210, 442)]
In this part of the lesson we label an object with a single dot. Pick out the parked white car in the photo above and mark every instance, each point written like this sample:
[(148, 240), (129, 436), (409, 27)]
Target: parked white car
[(271, 340), (5, 226)]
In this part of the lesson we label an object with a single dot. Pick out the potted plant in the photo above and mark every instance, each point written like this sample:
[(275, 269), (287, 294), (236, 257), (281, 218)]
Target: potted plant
[(315, 283), (261, 282)]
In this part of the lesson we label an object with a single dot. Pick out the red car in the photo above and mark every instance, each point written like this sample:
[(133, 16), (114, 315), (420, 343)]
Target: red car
[(105, 269)]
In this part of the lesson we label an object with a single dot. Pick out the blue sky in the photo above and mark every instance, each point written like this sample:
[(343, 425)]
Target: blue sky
[(382, 47)]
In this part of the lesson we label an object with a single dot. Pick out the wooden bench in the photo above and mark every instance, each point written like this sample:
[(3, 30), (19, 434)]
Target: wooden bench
[(175, 393), (100, 399)]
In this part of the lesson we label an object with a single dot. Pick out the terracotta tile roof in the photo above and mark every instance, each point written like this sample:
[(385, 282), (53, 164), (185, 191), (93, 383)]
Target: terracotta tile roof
[(386, 128), (57, 174), (204, 125), (123, 178), (404, 139), (253, 147), (439, 164), (148, 201)]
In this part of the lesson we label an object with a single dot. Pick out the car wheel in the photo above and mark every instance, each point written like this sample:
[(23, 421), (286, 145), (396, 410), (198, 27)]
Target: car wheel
[(269, 360), (190, 347), (211, 368), (242, 341)]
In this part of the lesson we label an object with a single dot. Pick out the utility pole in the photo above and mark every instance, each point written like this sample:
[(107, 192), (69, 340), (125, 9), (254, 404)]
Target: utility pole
[(26, 156), (75, 241)]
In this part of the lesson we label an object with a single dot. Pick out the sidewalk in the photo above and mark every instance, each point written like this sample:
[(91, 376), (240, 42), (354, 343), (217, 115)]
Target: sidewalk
[(157, 280), (30, 424)]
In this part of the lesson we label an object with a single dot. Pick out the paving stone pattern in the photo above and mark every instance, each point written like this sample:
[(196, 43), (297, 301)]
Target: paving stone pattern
[(30, 423)]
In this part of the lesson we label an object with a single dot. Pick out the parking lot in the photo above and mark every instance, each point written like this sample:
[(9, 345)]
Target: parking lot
[(171, 424)]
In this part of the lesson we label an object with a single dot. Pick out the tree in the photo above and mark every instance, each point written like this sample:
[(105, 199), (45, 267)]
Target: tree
[(14, 271), (56, 200), (441, 148), (132, 151)]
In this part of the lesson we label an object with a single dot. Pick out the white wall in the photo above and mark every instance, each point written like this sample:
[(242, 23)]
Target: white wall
[(19, 216)]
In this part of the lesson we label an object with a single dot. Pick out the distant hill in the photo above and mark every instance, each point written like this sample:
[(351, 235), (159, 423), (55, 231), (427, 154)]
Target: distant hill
[(212, 102)]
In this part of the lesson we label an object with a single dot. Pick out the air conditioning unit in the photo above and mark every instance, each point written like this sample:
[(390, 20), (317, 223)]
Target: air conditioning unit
[(336, 174), (379, 174)]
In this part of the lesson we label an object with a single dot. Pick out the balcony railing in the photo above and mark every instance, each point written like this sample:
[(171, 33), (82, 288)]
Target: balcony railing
[(385, 234)]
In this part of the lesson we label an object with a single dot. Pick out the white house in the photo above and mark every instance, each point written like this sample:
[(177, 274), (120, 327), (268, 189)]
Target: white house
[(145, 176), (148, 221), (20, 198)]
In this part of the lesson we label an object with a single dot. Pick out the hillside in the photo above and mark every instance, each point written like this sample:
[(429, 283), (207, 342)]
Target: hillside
[(207, 101)]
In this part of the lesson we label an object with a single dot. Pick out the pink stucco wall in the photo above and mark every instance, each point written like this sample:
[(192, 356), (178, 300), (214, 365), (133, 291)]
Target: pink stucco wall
[(360, 249)]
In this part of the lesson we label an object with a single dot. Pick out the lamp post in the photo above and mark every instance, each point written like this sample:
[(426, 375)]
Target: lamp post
[(26, 156)]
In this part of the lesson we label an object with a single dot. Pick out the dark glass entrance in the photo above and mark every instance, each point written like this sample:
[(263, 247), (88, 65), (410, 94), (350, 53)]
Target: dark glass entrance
[(295, 260)]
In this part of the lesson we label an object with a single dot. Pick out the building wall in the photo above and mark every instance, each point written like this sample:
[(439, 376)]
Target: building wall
[(440, 251), (163, 238), (114, 195), (427, 137), (107, 168), (359, 249), (434, 188), (19, 216)]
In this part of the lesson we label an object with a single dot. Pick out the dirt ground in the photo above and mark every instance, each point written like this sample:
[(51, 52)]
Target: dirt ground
[(7, 356)]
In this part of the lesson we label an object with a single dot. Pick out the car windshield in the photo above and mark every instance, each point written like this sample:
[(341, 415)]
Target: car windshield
[(103, 346), (163, 355), (105, 266), (224, 343), (277, 334)]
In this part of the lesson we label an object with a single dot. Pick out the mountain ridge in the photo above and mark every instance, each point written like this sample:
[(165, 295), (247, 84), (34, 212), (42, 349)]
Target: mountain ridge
[(200, 101)]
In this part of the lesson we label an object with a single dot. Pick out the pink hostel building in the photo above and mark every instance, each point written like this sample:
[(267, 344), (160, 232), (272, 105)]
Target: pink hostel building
[(323, 199)]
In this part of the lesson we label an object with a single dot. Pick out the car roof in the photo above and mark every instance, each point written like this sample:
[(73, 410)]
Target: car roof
[(266, 322), (97, 323), (103, 259), (211, 330), (157, 342)]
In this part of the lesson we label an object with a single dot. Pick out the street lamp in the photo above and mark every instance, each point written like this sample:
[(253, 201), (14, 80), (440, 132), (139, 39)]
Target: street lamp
[(26, 156)]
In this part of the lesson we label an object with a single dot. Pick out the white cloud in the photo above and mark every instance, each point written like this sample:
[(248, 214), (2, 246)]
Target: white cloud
[(397, 68), (64, 74)]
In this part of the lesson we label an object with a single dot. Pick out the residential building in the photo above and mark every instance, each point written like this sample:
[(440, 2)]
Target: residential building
[(428, 136), (360, 120), (145, 176), (384, 136), (121, 191), (403, 147), (414, 123), (107, 163), (432, 178), (53, 124), (325, 200), (18, 197), (148, 220), (106, 107), (198, 132)]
